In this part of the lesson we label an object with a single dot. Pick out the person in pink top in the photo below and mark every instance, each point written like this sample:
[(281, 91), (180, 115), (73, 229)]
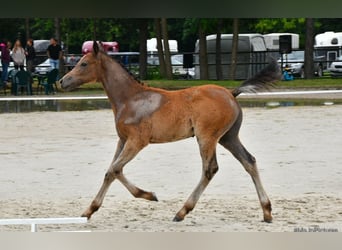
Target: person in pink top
[(5, 48)]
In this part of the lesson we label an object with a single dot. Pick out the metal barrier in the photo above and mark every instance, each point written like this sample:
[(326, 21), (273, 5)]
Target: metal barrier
[(34, 222)]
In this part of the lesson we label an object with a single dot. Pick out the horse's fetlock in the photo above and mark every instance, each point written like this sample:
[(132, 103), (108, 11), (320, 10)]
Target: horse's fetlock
[(94, 206)]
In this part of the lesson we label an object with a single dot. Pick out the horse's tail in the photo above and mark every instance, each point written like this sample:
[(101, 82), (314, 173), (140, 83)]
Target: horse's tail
[(263, 80)]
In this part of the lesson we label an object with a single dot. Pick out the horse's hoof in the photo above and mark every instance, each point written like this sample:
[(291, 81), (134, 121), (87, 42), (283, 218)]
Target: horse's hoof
[(268, 219), (86, 215), (177, 218), (154, 197)]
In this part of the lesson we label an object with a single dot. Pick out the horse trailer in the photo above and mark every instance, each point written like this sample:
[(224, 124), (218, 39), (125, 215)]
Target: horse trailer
[(328, 46), (251, 58), (272, 41), (152, 46)]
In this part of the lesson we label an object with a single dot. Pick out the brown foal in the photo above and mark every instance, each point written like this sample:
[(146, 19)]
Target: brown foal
[(146, 115)]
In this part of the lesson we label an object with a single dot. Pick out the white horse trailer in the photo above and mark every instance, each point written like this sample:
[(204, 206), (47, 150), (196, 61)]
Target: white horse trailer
[(152, 46), (328, 46), (272, 41), (251, 55)]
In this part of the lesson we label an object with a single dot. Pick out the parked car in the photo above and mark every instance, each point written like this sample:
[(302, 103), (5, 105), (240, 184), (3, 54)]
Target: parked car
[(177, 66), (10, 66), (40, 47), (295, 63), (70, 61), (336, 67), (43, 68)]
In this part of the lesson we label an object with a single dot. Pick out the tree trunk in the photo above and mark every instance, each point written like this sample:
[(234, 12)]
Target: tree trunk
[(203, 59), (233, 65), (162, 68), (94, 29), (219, 75), (309, 71), (143, 49), (27, 28), (57, 23), (168, 66)]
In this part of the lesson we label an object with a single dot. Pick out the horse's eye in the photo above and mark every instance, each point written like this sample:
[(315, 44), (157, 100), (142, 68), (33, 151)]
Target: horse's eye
[(83, 64)]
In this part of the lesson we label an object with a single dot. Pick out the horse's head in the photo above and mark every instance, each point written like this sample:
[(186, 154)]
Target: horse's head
[(85, 71)]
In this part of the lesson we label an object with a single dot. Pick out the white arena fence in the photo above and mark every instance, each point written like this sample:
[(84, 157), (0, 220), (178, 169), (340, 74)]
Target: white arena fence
[(34, 222)]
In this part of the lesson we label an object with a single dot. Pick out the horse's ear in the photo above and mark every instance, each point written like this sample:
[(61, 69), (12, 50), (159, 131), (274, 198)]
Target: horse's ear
[(95, 48), (101, 46)]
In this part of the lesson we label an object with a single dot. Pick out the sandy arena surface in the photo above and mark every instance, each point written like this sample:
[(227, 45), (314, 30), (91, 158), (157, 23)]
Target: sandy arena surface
[(52, 164)]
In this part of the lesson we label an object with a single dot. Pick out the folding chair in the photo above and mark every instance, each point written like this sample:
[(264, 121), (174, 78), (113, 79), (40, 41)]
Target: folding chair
[(48, 82)]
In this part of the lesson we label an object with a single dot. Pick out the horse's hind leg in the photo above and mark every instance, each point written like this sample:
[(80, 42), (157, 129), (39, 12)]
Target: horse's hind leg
[(232, 142), (210, 167), (124, 153)]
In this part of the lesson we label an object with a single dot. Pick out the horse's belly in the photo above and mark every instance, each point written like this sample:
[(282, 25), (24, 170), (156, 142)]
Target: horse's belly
[(171, 131)]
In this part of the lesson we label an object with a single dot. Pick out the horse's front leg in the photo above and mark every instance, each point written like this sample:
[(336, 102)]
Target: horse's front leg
[(125, 153)]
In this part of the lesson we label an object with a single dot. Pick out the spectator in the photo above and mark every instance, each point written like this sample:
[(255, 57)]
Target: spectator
[(30, 55), (5, 49), (54, 52), (18, 55)]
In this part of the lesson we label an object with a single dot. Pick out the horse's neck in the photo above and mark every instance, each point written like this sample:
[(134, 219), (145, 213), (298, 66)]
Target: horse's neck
[(118, 84)]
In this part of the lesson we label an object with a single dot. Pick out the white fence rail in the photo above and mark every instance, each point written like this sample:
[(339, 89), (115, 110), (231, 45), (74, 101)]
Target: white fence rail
[(34, 222)]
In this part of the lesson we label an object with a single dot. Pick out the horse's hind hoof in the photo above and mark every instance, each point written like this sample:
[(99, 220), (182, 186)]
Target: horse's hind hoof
[(178, 219), (268, 219)]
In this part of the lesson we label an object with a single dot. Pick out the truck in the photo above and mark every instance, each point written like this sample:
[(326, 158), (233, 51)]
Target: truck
[(109, 47), (252, 53)]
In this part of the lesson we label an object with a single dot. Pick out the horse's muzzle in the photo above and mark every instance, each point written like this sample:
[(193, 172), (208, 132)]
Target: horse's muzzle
[(64, 83)]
